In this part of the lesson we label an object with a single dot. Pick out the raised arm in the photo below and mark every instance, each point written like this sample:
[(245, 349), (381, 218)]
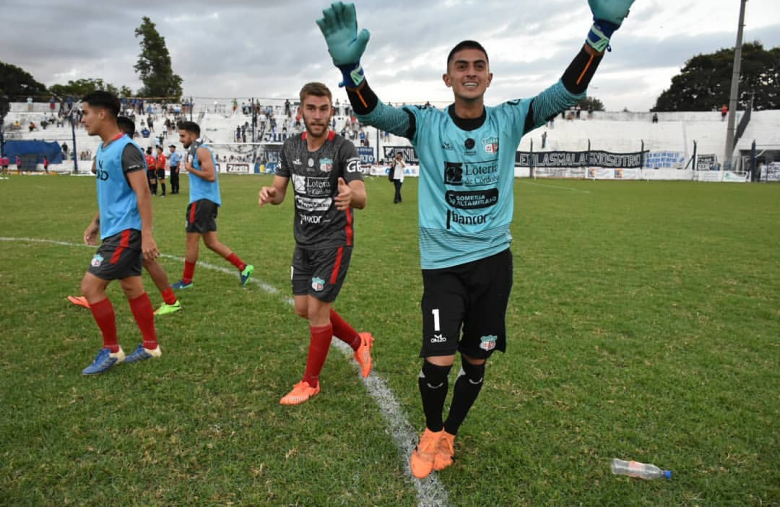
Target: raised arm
[(608, 15), (339, 27)]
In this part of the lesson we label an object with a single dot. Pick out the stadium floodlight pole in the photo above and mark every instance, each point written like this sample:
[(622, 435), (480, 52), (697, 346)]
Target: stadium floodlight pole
[(732, 120), (192, 105)]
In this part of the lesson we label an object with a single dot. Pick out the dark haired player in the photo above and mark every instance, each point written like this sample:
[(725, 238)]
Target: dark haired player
[(467, 155), (171, 303), (327, 184), (124, 222), (205, 200)]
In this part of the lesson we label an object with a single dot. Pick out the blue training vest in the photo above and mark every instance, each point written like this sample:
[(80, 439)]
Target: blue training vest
[(117, 201), (202, 189)]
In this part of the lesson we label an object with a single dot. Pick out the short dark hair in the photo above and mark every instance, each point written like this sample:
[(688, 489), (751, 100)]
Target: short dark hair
[(172, 146), (126, 125), (190, 126), (104, 100), (316, 89), (466, 44)]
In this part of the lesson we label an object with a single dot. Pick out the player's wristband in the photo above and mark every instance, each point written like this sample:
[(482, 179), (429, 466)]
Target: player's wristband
[(352, 75), (600, 33)]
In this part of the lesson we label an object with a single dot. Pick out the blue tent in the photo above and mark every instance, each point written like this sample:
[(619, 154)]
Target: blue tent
[(52, 150)]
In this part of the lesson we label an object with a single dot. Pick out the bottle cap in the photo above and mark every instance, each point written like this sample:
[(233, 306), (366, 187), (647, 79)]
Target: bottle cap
[(668, 474)]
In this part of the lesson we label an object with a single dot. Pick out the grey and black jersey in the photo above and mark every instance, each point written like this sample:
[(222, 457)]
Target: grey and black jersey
[(315, 176)]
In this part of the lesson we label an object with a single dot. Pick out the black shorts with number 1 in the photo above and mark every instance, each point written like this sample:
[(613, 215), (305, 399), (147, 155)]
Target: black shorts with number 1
[(475, 296)]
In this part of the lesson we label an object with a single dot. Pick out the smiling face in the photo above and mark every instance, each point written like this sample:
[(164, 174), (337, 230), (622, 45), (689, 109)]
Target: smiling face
[(468, 74)]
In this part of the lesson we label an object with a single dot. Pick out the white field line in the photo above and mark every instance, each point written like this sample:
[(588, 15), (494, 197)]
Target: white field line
[(430, 492)]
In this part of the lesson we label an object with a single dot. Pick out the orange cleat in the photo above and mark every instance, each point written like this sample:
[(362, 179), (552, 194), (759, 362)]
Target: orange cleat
[(79, 300), (301, 392), (444, 452), (363, 353), (424, 455)]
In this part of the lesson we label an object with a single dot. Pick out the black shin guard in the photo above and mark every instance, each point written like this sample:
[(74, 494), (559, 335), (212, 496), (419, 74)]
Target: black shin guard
[(433, 389), (467, 387)]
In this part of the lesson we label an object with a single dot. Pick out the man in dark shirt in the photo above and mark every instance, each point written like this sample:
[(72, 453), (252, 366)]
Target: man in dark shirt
[(327, 184)]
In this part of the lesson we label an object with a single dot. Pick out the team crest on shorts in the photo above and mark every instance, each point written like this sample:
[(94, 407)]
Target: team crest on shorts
[(97, 260), (317, 284), (488, 342), (326, 164)]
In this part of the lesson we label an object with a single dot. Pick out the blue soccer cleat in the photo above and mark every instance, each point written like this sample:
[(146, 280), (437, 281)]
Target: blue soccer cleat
[(142, 354), (103, 361), (181, 285), (246, 273)]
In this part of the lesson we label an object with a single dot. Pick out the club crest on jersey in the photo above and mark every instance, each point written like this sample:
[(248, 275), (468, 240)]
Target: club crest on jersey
[(326, 164), (491, 145), (311, 162), (97, 260), (488, 342), (317, 284)]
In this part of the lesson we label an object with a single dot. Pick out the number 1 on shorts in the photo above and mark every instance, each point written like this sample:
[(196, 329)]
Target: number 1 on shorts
[(436, 326)]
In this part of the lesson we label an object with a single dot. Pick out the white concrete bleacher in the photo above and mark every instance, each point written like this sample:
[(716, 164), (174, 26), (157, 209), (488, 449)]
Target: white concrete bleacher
[(621, 132)]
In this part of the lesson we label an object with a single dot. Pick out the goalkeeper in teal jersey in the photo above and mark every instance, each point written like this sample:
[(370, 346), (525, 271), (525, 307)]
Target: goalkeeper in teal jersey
[(467, 159)]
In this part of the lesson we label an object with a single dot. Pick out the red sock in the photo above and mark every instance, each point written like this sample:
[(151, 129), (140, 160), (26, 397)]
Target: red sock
[(103, 311), (169, 296), (344, 331), (189, 271), (318, 352), (144, 317), (234, 260)]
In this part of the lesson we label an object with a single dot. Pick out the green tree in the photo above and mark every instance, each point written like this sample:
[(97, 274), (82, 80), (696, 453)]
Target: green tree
[(81, 87), (593, 102), (125, 92), (154, 64), (16, 84), (705, 81)]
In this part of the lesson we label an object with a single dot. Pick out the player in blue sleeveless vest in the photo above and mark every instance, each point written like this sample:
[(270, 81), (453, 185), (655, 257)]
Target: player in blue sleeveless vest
[(124, 222), (205, 200), (467, 155), (170, 303)]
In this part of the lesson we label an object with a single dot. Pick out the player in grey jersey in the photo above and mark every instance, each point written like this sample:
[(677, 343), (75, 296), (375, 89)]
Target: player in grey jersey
[(327, 185)]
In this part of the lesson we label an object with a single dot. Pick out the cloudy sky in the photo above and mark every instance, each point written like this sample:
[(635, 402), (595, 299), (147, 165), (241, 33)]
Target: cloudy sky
[(269, 48)]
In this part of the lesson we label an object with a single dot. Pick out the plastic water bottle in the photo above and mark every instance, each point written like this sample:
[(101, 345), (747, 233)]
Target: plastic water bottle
[(639, 470)]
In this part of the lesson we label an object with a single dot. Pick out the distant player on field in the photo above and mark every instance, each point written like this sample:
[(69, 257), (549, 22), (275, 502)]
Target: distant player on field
[(327, 184), (467, 155), (161, 163), (171, 303), (205, 200), (124, 222)]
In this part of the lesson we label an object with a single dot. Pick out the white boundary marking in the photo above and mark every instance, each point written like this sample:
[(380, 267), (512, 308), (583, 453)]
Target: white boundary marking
[(430, 492), (554, 186)]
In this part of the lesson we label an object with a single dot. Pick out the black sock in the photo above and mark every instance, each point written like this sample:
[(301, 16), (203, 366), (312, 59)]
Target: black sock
[(467, 387), (163, 187), (433, 389)]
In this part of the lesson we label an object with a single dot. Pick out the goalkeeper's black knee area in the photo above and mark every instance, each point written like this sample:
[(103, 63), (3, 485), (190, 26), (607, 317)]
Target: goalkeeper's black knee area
[(433, 375), (474, 372)]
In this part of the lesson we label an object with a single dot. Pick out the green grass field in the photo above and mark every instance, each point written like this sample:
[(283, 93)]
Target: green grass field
[(644, 324)]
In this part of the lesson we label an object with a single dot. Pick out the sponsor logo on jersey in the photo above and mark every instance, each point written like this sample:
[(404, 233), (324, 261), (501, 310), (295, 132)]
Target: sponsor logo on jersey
[(446, 146), (491, 145), (297, 161), (310, 219), (456, 218), (438, 338), (299, 183), (488, 343), (353, 165), (97, 260), (326, 164), (317, 284), (453, 173), (309, 204), (472, 200)]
